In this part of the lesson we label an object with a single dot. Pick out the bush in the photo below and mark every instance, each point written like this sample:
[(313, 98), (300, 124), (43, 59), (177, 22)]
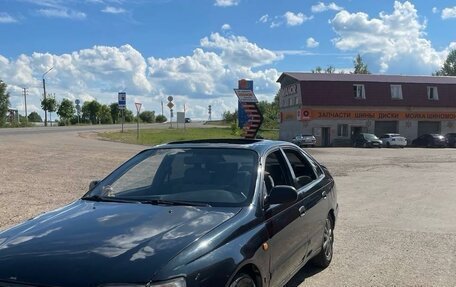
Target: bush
[(160, 119), (147, 116)]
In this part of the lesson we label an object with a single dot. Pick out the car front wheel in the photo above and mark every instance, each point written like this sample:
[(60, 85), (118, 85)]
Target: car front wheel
[(324, 257), (243, 280)]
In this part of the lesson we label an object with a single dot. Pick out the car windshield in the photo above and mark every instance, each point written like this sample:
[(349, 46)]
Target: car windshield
[(194, 176), (370, 136)]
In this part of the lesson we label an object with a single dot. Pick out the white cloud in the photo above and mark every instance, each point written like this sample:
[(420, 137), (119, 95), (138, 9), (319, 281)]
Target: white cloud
[(113, 10), (238, 51), (207, 76), (62, 13), (293, 19), (6, 18), (264, 18), (322, 7), (226, 3), (226, 27), (275, 24), (435, 10), (290, 19), (395, 43), (448, 13), (311, 43)]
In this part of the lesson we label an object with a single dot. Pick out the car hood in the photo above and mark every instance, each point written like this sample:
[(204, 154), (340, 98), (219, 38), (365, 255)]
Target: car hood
[(90, 243)]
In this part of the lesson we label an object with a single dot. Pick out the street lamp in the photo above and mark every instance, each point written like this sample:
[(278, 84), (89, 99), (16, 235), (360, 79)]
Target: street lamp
[(44, 89)]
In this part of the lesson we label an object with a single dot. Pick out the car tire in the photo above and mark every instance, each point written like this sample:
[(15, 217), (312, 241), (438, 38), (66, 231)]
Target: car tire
[(364, 145), (324, 257), (388, 144), (243, 280)]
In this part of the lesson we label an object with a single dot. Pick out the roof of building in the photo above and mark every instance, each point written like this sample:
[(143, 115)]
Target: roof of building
[(323, 77)]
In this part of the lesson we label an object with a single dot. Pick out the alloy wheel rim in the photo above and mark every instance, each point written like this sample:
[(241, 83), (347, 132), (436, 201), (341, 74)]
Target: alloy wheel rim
[(244, 282), (328, 240)]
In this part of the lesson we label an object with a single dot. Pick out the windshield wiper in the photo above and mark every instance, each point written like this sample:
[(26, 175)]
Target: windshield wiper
[(98, 198), (158, 201)]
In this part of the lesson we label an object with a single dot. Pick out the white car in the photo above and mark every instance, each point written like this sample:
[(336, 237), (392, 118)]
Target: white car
[(390, 140), (304, 140)]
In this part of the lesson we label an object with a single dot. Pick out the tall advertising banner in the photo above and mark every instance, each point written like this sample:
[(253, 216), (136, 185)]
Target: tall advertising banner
[(249, 115), (242, 115)]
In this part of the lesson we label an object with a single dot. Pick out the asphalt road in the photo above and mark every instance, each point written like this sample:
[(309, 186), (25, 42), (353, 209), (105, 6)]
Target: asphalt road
[(396, 223)]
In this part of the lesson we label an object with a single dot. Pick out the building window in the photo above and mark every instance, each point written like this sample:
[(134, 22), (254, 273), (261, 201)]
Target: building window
[(396, 92), (359, 92), (433, 95), (342, 130)]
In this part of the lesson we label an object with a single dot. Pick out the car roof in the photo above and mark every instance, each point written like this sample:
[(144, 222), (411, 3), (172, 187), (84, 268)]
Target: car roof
[(258, 145)]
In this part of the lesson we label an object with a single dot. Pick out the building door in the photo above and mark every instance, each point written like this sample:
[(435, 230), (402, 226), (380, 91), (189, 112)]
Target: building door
[(384, 127), (429, 128), (355, 131), (325, 136)]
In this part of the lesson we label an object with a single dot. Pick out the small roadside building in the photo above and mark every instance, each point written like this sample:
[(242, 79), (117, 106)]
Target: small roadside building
[(335, 107)]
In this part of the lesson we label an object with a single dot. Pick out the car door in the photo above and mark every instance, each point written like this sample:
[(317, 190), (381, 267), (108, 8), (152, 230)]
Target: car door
[(287, 239), (312, 189)]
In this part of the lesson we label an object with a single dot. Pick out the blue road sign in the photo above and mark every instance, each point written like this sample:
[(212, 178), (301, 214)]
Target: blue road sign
[(122, 100)]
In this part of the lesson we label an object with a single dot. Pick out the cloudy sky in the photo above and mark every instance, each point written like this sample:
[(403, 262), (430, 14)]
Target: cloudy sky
[(196, 50)]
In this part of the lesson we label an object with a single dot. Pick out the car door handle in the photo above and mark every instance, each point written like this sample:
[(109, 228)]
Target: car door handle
[(302, 211), (323, 194)]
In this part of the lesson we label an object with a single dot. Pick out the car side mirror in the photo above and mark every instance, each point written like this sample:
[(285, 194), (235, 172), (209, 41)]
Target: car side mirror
[(93, 184), (282, 194)]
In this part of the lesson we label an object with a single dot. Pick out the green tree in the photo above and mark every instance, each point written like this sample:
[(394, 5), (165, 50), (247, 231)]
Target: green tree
[(34, 117), (160, 119), (319, 70), (114, 112), (4, 103), (270, 113), (360, 67), (230, 117), (129, 117), (449, 67), (104, 115), (49, 104), (330, 70), (147, 116), (66, 110), (90, 111)]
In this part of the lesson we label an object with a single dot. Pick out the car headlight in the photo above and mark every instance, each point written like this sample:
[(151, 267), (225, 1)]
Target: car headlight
[(177, 282)]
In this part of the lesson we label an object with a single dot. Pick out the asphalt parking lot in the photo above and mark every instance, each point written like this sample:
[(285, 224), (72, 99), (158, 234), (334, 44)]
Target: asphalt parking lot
[(396, 224)]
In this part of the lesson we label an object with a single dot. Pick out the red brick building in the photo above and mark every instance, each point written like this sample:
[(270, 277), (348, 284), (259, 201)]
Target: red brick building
[(334, 107)]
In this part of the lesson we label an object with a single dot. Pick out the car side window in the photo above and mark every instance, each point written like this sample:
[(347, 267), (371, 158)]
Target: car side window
[(275, 172), (302, 168)]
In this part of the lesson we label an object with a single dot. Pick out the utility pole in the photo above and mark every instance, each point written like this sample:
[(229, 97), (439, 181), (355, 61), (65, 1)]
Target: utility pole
[(44, 90), (25, 103)]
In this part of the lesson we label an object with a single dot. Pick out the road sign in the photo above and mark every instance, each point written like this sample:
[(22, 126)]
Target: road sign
[(170, 105), (246, 96), (122, 100), (138, 106), (77, 101), (170, 98)]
